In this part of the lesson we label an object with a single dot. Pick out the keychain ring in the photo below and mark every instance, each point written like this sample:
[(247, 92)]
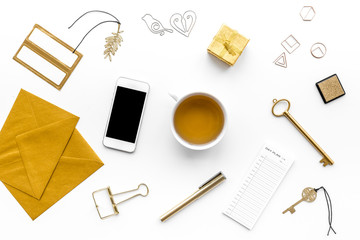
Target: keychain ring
[(275, 101)]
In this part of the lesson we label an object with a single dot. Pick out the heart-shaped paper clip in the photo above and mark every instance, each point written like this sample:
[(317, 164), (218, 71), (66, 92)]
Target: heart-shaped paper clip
[(183, 23)]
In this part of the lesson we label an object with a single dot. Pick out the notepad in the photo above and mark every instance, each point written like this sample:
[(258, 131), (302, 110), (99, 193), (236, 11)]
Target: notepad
[(258, 186)]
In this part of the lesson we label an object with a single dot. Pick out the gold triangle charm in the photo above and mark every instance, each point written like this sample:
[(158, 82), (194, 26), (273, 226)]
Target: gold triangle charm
[(281, 60)]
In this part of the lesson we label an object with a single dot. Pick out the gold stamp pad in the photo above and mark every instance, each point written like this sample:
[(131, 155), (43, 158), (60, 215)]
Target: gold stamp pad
[(330, 88)]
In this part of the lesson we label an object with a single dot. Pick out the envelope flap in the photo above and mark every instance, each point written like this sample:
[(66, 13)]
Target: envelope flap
[(77, 163), (44, 112), (70, 172), (80, 149), (41, 149)]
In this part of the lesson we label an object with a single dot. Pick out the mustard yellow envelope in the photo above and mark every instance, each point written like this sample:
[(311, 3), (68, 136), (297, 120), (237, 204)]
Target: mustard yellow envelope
[(42, 156)]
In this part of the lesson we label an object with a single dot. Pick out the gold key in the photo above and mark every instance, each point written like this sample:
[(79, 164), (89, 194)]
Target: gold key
[(308, 195), (326, 160)]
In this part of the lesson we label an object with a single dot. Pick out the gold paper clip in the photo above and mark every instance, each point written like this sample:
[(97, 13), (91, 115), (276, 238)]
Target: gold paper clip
[(111, 196), (48, 57)]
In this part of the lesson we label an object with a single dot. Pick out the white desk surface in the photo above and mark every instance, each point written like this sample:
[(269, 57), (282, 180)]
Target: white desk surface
[(178, 64)]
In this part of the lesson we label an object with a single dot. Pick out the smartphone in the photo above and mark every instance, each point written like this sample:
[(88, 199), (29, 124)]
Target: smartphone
[(126, 114)]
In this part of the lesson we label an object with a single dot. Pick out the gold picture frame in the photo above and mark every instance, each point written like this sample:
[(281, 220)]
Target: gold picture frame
[(48, 57)]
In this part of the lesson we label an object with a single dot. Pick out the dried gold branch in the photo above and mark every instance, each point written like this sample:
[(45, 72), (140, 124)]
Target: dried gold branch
[(112, 44)]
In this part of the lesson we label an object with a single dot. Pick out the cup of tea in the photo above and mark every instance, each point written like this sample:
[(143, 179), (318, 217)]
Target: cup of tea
[(198, 120)]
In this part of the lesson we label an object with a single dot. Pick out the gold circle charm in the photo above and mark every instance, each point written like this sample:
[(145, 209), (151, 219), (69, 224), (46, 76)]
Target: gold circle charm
[(309, 194)]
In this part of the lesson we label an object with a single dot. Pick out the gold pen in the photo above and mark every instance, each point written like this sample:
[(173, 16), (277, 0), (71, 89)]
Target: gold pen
[(203, 189)]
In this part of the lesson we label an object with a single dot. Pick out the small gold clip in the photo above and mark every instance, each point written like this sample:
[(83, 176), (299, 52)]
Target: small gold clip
[(111, 196)]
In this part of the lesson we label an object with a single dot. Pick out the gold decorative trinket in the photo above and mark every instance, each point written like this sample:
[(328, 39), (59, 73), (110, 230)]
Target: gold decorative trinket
[(227, 45), (112, 42), (67, 70)]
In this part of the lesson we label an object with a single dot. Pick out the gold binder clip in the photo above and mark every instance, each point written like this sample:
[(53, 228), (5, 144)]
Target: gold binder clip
[(48, 57), (111, 196)]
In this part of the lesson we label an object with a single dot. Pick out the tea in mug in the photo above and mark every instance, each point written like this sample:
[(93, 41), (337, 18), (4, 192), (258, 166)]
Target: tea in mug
[(199, 119)]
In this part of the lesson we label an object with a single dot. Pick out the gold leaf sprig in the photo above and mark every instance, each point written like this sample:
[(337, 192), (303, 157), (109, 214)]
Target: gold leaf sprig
[(113, 43)]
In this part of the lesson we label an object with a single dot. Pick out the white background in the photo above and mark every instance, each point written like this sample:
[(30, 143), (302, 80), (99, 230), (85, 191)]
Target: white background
[(174, 63)]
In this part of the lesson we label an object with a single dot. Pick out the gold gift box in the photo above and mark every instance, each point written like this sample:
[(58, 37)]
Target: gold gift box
[(227, 45)]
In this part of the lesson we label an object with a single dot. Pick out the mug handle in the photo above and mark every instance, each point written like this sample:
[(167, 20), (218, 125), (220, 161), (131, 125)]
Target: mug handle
[(173, 96)]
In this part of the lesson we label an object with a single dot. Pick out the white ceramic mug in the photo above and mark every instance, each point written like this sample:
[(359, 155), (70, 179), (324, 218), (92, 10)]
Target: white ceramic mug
[(192, 145)]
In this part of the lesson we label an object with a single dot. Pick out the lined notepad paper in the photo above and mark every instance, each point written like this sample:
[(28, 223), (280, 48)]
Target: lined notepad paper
[(259, 185)]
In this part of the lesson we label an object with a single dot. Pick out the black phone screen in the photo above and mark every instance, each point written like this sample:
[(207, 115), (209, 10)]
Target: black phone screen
[(126, 114)]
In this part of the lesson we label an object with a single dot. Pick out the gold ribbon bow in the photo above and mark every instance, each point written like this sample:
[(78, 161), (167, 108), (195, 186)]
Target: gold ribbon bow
[(227, 41)]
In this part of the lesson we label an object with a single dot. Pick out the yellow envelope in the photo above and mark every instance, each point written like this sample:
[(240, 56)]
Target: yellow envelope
[(42, 156)]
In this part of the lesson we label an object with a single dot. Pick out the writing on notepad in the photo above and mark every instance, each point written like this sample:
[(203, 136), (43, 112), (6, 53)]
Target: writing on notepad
[(259, 185)]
